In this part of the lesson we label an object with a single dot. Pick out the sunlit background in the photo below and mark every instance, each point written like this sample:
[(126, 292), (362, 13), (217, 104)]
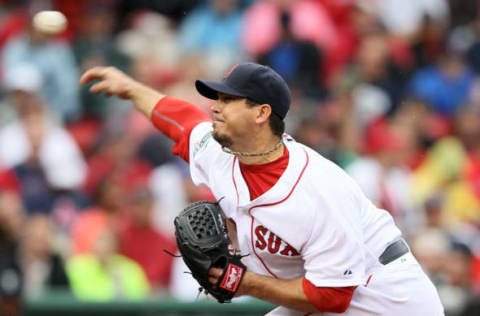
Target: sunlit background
[(387, 89)]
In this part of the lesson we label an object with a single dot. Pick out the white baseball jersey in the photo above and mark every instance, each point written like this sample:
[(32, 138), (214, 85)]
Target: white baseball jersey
[(314, 223)]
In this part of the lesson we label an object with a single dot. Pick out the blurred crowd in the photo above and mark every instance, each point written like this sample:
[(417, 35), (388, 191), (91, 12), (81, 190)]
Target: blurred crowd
[(387, 89)]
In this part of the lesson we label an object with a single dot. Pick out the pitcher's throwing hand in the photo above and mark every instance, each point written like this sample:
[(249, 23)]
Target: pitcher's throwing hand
[(111, 81)]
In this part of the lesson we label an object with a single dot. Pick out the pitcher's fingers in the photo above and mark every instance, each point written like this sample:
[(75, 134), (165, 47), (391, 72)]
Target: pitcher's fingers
[(99, 87), (215, 272), (212, 280), (92, 74)]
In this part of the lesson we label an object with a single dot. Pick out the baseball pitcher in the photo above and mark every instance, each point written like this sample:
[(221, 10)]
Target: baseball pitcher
[(307, 238)]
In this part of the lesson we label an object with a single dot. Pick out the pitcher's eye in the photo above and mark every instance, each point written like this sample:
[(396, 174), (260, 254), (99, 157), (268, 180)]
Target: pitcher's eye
[(227, 98)]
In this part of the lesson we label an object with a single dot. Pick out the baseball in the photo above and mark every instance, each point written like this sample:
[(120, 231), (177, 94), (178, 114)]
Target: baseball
[(50, 22)]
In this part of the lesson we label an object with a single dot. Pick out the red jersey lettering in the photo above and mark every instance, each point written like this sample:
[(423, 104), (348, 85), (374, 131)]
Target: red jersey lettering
[(260, 231), (289, 251), (273, 243)]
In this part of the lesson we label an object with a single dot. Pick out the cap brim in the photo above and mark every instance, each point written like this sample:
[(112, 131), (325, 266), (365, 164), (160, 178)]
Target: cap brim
[(210, 89)]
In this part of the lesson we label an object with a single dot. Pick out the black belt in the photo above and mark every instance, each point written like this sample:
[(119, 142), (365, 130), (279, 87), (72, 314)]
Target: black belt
[(394, 251)]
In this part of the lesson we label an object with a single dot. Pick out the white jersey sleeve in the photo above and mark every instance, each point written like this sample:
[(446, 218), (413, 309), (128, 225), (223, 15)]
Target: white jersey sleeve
[(205, 154), (200, 139)]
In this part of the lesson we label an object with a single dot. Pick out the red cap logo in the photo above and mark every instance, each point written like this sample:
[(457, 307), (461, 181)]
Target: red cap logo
[(230, 71)]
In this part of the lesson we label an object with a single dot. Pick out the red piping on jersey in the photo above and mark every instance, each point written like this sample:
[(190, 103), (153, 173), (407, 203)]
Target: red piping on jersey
[(271, 204), (168, 119), (368, 280), (233, 178)]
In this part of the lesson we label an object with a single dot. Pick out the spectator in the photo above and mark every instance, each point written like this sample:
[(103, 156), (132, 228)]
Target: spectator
[(372, 79), (456, 292), (319, 128), (309, 22), (367, 91), (213, 29), (297, 61), (106, 212), (116, 155), (434, 212), (44, 156), (11, 219), (416, 117), (446, 85), (351, 22), (55, 61), (167, 184), (141, 242), (104, 274), (383, 173), (451, 166), (42, 268), (151, 36), (94, 46), (429, 45), (442, 165), (404, 17), (431, 247)]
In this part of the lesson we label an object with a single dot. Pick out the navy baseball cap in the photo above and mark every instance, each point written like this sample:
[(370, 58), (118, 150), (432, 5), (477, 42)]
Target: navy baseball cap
[(256, 82)]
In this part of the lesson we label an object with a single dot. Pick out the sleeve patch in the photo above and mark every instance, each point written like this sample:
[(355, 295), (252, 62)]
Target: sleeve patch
[(200, 146)]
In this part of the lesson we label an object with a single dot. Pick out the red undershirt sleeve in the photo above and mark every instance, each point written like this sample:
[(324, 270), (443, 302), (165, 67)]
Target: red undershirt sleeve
[(328, 299), (176, 119)]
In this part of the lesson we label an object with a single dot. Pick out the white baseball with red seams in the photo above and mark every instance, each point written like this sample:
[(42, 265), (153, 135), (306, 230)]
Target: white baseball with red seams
[(314, 222)]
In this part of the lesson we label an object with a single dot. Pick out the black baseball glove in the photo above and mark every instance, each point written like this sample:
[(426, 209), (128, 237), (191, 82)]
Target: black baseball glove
[(203, 242)]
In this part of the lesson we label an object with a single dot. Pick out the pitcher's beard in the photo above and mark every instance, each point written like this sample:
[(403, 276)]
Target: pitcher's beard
[(223, 139)]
